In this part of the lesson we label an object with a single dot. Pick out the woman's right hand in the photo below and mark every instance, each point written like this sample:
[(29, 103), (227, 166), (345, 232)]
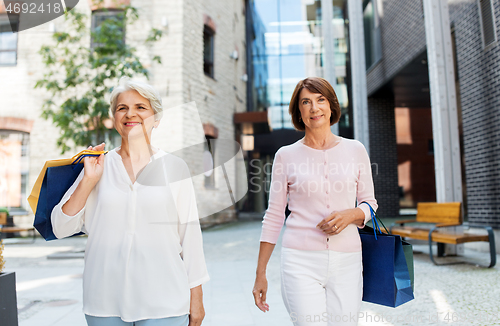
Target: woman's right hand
[(259, 292), (94, 166)]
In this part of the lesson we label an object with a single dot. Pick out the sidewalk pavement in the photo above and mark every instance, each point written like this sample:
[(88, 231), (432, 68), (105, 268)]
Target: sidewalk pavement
[(50, 290)]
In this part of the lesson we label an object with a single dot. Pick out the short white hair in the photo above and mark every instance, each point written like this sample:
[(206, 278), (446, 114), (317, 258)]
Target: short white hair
[(145, 90)]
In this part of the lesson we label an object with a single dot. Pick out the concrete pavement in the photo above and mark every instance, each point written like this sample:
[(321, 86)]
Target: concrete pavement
[(50, 290)]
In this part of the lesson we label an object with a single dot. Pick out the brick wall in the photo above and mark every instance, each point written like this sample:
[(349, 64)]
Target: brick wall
[(179, 78), (479, 77), (219, 97), (403, 38), (383, 154), (19, 100)]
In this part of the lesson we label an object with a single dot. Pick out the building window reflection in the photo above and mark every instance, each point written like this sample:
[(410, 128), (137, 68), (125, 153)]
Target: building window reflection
[(287, 46), (371, 23), (14, 160), (8, 40), (208, 51), (209, 162), (107, 24)]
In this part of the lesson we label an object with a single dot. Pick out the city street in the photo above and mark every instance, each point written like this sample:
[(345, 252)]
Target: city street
[(49, 289), (315, 104)]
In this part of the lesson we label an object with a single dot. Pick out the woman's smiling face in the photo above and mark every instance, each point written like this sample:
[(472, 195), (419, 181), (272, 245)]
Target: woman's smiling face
[(133, 114), (314, 109)]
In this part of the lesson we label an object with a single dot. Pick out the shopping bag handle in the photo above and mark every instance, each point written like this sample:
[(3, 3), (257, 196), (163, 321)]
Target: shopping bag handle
[(86, 153), (375, 220)]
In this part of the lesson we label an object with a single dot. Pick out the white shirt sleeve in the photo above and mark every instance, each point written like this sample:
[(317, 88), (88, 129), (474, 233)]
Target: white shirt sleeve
[(190, 232)]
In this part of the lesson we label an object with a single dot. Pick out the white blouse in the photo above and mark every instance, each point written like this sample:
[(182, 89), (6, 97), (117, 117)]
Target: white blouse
[(144, 250)]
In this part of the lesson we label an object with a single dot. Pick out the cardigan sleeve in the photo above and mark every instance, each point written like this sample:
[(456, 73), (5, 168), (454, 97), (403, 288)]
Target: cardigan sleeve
[(190, 231), (64, 225), (365, 189), (275, 214)]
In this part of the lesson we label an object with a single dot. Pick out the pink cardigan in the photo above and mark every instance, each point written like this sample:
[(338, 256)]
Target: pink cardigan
[(315, 183)]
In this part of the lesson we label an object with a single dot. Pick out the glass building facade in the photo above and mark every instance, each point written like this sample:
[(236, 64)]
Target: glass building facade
[(288, 45), (287, 41)]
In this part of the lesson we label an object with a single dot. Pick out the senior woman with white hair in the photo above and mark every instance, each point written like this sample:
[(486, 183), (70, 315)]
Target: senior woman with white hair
[(144, 261)]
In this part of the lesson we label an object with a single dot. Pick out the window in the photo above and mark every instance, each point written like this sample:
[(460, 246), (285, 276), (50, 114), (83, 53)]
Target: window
[(487, 22), (371, 22), (209, 161), (14, 159), (208, 51), (107, 24), (8, 40)]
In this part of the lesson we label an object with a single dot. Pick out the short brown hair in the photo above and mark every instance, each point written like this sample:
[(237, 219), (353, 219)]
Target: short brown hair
[(314, 85)]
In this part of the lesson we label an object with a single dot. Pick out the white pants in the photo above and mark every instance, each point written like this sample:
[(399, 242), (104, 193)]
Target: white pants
[(322, 288)]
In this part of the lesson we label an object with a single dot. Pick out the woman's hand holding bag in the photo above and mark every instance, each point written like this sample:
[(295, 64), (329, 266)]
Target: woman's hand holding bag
[(94, 166), (337, 221)]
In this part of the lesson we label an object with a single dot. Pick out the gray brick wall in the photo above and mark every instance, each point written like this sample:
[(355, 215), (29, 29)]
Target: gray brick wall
[(219, 97), (403, 38), (383, 154), (179, 79), (479, 77)]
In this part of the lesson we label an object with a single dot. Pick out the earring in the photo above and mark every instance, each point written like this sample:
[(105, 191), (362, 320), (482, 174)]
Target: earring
[(300, 118)]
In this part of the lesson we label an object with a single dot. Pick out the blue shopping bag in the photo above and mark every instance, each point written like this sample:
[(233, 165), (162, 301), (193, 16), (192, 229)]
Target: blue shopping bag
[(55, 179), (386, 277)]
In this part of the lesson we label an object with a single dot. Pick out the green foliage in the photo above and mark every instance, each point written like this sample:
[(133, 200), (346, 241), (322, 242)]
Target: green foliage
[(78, 77)]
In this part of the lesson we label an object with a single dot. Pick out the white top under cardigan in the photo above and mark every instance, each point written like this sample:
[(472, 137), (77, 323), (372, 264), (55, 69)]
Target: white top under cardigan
[(144, 250)]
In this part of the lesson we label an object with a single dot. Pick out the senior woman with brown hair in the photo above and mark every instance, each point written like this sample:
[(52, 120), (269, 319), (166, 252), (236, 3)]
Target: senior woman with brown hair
[(144, 262), (324, 179)]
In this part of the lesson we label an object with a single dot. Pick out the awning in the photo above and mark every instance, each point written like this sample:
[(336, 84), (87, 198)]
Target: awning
[(253, 123)]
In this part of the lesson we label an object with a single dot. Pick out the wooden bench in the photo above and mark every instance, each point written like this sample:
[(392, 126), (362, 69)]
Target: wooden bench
[(442, 215), (5, 228)]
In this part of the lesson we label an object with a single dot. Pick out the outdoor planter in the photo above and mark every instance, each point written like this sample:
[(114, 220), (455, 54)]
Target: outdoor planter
[(8, 299)]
